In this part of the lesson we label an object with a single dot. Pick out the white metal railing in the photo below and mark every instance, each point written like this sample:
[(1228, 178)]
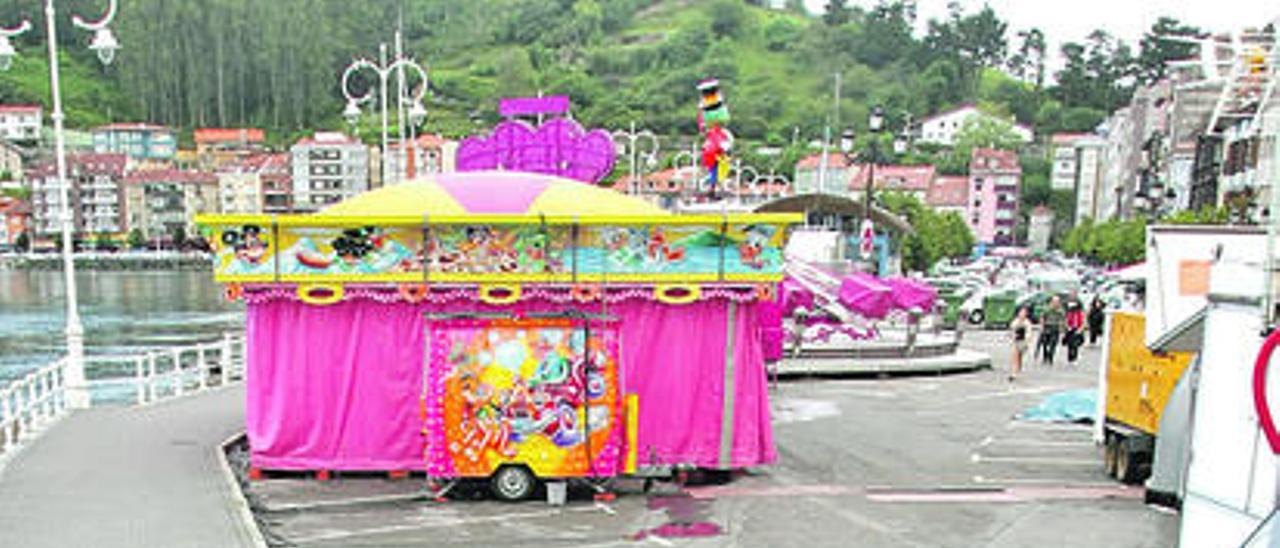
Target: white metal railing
[(30, 403), (173, 371), (33, 401)]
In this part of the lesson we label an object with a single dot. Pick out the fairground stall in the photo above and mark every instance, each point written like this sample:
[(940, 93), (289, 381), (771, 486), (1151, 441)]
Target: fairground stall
[(485, 323)]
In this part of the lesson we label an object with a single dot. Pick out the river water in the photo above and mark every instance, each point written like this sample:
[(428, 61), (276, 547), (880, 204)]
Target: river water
[(122, 312)]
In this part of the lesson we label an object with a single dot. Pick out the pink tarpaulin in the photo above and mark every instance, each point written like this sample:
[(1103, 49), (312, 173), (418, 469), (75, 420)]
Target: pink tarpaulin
[(793, 295), (908, 294), (866, 295), (338, 387), (772, 333)]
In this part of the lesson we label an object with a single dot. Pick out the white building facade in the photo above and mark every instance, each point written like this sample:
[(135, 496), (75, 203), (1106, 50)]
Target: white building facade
[(328, 168), (941, 129), (21, 122)]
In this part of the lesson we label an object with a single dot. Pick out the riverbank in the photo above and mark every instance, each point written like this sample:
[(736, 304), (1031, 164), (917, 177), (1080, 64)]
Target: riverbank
[(128, 261)]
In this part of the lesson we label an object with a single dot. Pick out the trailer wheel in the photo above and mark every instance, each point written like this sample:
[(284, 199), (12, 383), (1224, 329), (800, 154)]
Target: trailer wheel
[(1127, 464), (512, 483), (977, 316)]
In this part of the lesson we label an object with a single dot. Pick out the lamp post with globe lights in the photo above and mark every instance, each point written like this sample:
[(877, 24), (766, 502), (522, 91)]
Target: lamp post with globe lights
[(629, 143), (384, 71), (104, 43)]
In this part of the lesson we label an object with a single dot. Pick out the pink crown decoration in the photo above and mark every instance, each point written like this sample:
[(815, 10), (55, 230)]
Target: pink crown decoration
[(559, 147)]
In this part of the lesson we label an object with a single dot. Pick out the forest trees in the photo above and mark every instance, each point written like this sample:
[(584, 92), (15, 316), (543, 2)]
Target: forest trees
[(935, 235)]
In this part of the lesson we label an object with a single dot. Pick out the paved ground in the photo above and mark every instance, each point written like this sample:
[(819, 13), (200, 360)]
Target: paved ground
[(925, 461), (127, 477)]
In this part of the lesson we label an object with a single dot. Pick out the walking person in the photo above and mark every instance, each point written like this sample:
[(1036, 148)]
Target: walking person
[(1074, 336), (1020, 327), (1097, 316), (1051, 321)]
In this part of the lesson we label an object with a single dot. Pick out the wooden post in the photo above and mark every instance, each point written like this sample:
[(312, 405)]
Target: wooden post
[(151, 377), (225, 358), (6, 419), (202, 367), (139, 379), (176, 354)]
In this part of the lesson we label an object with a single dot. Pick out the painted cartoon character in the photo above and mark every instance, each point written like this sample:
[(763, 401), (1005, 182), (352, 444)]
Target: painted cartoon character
[(661, 250), (717, 141), (751, 249), (248, 244), (355, 244)]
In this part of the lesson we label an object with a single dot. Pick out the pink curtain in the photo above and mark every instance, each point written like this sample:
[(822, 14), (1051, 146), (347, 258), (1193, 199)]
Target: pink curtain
[(338, 387)]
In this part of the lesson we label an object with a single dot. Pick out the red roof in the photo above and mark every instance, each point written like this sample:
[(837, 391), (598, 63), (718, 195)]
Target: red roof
[(989, 159), (13, 206), (834, 160), (170, 176), (950, 111), (948, 191), (229, 135), (86, 163), (132, 126), (902, 178), (262, 163), (21, 108), (327, 138), (1068, 138), (665, 180)]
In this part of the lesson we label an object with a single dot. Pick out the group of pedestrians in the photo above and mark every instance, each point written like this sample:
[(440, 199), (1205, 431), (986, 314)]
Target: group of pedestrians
[(1058, 323)]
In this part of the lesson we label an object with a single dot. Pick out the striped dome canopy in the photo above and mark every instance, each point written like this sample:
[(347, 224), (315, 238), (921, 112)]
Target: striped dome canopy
[(492, 192)]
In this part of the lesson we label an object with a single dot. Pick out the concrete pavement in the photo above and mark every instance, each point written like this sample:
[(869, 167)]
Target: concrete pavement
[(892, 462), (128, 477)]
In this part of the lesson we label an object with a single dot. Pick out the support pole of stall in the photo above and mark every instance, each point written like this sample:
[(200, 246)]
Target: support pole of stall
[(730, 388)]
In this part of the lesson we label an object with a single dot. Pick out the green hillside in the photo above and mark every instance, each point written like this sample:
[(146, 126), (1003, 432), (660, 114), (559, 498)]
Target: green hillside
[(193, 63)]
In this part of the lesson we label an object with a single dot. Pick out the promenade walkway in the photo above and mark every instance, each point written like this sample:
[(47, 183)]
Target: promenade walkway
[(128, 477)]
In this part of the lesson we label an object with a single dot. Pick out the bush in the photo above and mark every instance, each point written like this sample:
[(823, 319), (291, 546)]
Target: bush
[(781, 33)]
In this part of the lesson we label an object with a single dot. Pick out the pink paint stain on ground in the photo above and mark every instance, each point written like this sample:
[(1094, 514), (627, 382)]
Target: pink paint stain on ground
[(995, 494), (687, 517), (772, 491)]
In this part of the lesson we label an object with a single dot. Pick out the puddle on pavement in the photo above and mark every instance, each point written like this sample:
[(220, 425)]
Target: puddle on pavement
[(686, 517)]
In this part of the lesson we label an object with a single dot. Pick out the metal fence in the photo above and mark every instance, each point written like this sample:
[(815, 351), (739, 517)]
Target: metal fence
[(32, 402)]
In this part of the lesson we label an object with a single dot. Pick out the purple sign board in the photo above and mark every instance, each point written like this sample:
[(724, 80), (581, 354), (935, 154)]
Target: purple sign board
[(559, 147), (532, 106)]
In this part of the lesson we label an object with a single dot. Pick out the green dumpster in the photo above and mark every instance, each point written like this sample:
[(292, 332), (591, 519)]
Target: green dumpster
[(952, 301), (998, 309)]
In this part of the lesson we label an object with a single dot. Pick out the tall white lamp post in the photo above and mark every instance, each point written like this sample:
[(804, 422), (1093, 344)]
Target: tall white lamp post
[(384, 72), (629, 142), (105, 44)]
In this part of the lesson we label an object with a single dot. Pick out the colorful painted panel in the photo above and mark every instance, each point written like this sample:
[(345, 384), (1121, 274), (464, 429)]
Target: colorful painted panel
[(351, 251), (680, 249), (543, 393), (491, 249), (249, 250), (243, 251), (754, 249)]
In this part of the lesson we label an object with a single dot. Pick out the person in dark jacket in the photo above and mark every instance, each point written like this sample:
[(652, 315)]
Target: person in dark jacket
[(1051, 323), (1097, 316)]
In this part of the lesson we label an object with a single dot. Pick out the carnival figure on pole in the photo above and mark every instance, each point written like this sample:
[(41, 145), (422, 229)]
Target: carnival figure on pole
[(717, 141)]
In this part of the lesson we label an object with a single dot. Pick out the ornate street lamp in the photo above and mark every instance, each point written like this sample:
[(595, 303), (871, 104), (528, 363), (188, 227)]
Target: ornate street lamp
[(630, 143), (384, 70), (105, 45)]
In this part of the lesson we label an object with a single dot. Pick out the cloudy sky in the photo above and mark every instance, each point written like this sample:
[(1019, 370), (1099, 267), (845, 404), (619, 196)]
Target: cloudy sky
[(1072, 20)]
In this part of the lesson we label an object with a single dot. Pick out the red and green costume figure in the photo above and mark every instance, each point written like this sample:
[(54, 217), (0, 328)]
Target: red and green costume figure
[(717, 141)]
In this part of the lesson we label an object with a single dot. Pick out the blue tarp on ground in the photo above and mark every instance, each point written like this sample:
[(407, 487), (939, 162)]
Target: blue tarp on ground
[(1069, 406)]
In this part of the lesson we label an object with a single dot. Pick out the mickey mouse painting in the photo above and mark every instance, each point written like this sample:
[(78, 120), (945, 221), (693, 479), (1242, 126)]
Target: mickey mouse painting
[(248, 244), (355, 244)]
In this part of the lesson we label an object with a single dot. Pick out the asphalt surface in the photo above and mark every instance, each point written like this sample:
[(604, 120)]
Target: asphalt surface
[(128, 477), (914, 462)]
